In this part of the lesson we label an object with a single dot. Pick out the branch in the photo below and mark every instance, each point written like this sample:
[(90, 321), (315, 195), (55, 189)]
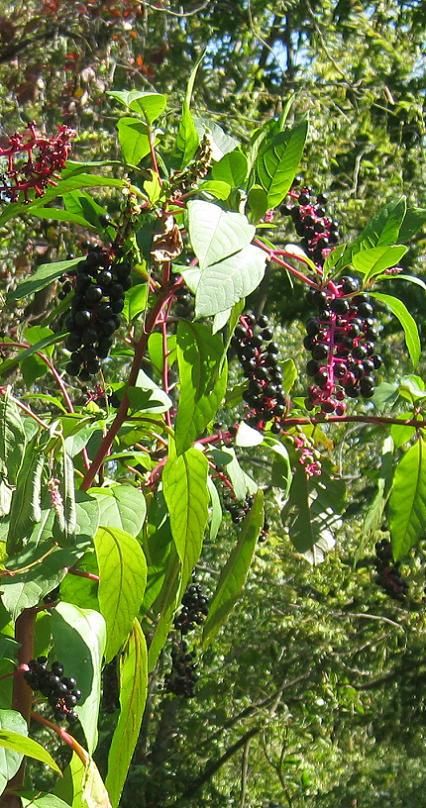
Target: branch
[(22, 695)]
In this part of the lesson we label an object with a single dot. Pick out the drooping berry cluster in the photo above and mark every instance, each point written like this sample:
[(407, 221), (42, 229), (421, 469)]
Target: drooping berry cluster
[(61, 691), (32, 161), (257, 354), (194, 609), (388, 574), (100, 284), (318, 231), (238, 511), (307, 455), (341, 341), (183, 677)]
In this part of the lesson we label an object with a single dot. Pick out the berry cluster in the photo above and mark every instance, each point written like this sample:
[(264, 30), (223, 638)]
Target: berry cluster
[(388, 574), (99, 298), (308, 456), (32, 161), (258, 357), (239, 510), (183, 677), (61, 691), (318, 231), (341, 341), (194, 609), (184, 305)]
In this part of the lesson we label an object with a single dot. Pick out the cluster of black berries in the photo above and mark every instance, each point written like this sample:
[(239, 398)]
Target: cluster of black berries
[(100, 283), (341, 341), (61, 691), (183, 677), (184, 306), (52, 596), (257, 354), (388, 574), (318, 231), (239, 510), (194, 609), (110, 687)]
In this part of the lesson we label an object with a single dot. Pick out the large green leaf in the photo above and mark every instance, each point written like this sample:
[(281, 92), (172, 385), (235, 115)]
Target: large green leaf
[(232, 168), (44, 801), (10, 759), (278, 161), (228, 281), (25, 510), (134, 139), (373, 261), (12, 438), (382, 230), (133, 693), (165, 606), (215, 233), (19, 743), (235, 571), (122, 573), (202, 378), (121, 506), (187, 138), (44, 274), (48, 568), (187, 498), (79, 641), (399, 309), (407, 503), (150, 105), (413, 221), (315, 507)]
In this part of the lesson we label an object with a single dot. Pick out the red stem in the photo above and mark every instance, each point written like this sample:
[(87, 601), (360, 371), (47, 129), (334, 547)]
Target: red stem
[(122, 411), (353, 419), (64, 736), (91, 576), (22, 695), (273, 256)]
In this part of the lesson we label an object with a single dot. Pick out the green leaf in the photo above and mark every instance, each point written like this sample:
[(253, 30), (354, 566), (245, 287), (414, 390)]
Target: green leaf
[(403, 277), (247, 436), (278, 161), (215, 233), (135, 301), (9, 364), (375, 260), (187, 139), (314, 508), (382, 230), (79, 642), (217, 188), (12, 438), (87, 515), (202, 378), (187, 498), (121, 506), (26, 589), (281, 473), (59, 215), (257, 202), (8, 648), (232, 169), (133, 694), (43, 801), (227, 459), (407, 503), (221, 143), (26, 746), (122, 572), (65, 514), (42, 277), (376, 506), (290, 374), (150, 105), (10, 759), (25, 510), (165, 604), (398, 308), (235, 571), (229, 281), (216, 510), (134, 140), (413, 221)]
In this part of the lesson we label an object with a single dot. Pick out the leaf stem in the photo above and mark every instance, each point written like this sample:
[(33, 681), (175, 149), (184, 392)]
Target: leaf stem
[(274, 256), (64, 736)]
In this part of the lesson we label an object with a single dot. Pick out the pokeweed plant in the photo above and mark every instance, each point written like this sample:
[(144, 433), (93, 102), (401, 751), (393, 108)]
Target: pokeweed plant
[(123, 453)]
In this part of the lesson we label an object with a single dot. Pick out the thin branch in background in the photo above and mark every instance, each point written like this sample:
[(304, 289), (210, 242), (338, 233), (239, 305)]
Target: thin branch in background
[(181, 14), (244, 773)]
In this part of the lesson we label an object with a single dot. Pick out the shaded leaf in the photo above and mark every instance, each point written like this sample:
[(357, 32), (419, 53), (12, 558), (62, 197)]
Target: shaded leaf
[(407, 502), (398, 308)]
